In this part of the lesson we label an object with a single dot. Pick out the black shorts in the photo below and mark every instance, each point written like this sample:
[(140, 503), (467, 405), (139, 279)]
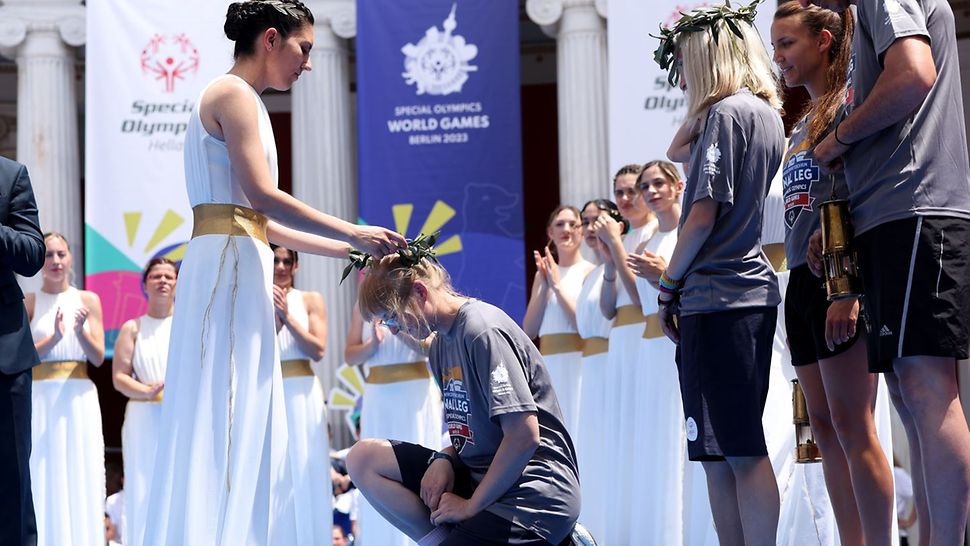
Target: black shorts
[(484, 528), (806, 305), (724, 359), (916, 279)]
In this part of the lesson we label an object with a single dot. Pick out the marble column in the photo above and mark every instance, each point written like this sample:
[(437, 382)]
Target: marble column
[(324, 162), (42, 35), (580, 30)]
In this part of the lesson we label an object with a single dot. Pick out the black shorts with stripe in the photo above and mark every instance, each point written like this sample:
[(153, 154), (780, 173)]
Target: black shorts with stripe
[(916, 279)]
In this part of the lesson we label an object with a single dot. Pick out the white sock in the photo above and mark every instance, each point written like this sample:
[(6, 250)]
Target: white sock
[(435, 537)]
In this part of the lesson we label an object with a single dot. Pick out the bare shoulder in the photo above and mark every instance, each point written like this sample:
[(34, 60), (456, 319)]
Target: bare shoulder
[(89, 298), (313, 301)]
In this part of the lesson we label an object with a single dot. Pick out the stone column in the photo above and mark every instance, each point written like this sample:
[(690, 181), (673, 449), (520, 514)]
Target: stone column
[(580, 31), (41, 35), (324, 163)]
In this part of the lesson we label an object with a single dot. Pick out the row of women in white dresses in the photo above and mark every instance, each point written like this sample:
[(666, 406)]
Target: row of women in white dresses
[(67, 457), (620, 396)]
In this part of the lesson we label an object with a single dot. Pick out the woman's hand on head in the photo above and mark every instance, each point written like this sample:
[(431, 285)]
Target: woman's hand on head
[(377, 241)]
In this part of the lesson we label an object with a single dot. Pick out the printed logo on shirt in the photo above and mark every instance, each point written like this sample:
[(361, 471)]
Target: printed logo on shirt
[(500, 380), (849, 86), (691, 429), (457, 414), (713, 155), (799, 174), (885, 331)]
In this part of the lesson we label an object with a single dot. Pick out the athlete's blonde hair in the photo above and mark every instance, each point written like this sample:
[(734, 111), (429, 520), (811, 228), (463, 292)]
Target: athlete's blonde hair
[(716, 69), (387, 288)]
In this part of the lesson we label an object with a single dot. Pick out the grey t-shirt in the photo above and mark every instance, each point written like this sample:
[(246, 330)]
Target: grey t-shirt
[(805, 189), (486, 367), (918, 166), (733, 162)]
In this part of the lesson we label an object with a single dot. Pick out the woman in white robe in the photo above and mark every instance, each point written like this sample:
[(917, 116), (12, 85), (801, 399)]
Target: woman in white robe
[(301, 322), (400, 401), (67, 445), (138, 372), (621, 303), (551, 313)]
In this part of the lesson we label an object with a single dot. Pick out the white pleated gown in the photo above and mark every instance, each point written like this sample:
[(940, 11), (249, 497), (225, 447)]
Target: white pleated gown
[(621, 399), (221, 475), (595, 437), (408, 411), (140, 432), (565, 368), (658, 430), (309, 449), (67, 446)]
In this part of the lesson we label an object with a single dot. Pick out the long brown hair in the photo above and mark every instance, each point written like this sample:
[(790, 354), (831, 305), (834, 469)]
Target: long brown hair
[(824, 109)]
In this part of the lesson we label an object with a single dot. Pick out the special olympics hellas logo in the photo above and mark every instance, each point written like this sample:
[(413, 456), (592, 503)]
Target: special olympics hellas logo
[(438, 64), (169, 58)]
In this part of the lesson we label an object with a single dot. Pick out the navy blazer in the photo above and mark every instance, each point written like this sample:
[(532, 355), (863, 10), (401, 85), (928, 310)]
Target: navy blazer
[(21, 251)]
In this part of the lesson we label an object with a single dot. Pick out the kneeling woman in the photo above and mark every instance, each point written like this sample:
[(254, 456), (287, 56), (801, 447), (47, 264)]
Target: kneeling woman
[(510, 474)]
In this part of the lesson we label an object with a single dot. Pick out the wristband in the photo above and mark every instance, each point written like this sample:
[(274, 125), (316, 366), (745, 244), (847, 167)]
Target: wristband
[(839, 140), (667, 284), (606, 279)]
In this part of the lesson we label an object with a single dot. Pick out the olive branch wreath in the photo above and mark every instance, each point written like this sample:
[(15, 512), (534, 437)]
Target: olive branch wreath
[(419, 248)]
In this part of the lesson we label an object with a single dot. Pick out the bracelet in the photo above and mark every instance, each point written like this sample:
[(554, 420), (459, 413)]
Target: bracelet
[(839, 140), (605, 279), (667, 284)]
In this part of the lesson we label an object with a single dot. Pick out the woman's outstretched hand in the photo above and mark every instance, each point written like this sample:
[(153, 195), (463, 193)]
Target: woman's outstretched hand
[(377, 241)]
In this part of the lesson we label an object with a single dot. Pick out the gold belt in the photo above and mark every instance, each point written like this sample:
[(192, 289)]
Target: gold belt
[(652, 330), (299, 367), (396, 373), (228, 219), (555, 344), (776, 256), (627, 315), (595, 346), (62, 369), (155, 399)]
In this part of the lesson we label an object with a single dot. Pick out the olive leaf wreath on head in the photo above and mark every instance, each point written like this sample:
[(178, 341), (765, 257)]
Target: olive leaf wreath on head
[(418, 248), (698, 20)]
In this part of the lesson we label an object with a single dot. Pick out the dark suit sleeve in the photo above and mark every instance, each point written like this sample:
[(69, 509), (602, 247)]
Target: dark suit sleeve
[(21, 241)]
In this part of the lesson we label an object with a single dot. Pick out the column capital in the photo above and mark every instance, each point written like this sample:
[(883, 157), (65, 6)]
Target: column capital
[(339, 15), (548, 14), (20, 17)]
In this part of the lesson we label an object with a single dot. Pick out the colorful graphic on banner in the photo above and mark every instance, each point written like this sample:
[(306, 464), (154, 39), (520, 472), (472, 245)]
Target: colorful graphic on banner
[(645, 111), (440, 135), (147, 62)]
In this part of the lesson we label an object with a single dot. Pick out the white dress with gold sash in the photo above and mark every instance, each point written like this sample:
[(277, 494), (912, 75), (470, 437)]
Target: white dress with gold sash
[(658, 423), (309, 448), (222, 476), (67, 445), (595, 436), (139, 434), (561, 347), (625, 337), (408, 410)]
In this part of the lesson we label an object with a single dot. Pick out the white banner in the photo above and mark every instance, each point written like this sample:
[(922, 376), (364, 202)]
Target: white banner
[(147, 61), (645, 111)]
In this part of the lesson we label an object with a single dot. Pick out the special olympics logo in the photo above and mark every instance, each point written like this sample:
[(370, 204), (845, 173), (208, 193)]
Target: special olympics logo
[(438, 64), (169, 58)]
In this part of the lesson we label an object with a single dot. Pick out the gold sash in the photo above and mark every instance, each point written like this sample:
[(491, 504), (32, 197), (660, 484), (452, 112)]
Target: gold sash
[(595, 346), (299, 367), (396, 373), (228, 219), (62, 369), (776, 255), (628, 314), (652, 330), (554, 344), (155, 399)]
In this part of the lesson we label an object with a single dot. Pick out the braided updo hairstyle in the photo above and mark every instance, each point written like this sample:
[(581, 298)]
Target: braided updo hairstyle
[(247, 20)]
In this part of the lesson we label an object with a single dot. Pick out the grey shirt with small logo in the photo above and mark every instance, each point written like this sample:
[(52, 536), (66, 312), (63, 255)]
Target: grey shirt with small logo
[(487, 367), (919, 165), (732, 162)]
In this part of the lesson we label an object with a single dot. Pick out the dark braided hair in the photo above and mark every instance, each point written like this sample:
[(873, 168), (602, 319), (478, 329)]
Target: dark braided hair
[(610, 208), (247, 20)]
